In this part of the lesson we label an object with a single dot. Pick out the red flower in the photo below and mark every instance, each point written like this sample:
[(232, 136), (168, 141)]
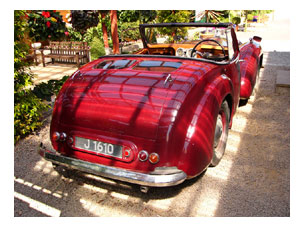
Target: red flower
[(48, 24), (66, 33), (46, 14)]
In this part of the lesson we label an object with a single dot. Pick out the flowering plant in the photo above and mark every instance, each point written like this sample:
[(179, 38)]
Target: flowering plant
[(46, 25)]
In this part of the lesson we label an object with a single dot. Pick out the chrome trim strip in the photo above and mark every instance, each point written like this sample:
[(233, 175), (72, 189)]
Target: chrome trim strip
[(152, 180)]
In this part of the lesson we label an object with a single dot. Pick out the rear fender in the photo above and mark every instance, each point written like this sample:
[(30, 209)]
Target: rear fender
[(196, 136)]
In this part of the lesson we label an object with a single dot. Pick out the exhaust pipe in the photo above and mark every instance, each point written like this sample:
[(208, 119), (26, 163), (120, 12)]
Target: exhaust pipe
[(144, 189)]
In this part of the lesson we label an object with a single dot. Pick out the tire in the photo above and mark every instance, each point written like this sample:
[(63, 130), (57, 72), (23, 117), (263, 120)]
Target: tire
[(243, 102), (220, 134)]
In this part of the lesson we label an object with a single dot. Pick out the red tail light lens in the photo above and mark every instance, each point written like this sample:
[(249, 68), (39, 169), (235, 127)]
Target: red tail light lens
[(63, 136), (56, 136), (143, 155), (70, 140), (127, 152), (154, 158)]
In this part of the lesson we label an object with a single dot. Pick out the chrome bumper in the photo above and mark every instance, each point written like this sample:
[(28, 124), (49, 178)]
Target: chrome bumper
[(151, 180)]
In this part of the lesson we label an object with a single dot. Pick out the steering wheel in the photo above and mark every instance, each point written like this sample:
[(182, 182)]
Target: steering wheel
[(205, 40)]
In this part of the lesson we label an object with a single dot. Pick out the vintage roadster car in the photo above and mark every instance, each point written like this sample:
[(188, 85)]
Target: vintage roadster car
[(161, 115)]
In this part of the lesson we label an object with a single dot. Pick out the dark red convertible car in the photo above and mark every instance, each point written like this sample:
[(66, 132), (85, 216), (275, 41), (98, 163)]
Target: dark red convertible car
[(161, 115)]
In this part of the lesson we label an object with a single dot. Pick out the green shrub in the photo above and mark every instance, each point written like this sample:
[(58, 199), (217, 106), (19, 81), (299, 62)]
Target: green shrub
[(74, 35), (97, 48), (46, 90), (28, 108), (28, 111)]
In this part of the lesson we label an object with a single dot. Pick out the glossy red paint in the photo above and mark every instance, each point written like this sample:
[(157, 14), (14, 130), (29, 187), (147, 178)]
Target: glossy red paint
[(158, 104), (135, 108), (250, 56)]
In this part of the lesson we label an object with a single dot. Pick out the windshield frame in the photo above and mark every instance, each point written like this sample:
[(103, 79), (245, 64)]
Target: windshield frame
[(142, 27)]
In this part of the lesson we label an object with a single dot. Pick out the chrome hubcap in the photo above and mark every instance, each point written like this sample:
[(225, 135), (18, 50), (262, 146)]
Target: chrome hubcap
[(218, 130)]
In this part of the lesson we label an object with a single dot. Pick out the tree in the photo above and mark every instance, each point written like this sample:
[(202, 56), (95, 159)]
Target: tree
[(171, 16), (210, 15), (114, 31), (84, 19), (104, 31)]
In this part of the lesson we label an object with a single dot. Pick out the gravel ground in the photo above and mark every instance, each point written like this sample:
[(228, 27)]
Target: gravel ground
[(253, 178)]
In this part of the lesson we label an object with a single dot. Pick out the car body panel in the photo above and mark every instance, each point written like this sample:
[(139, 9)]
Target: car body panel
[(250, 62)]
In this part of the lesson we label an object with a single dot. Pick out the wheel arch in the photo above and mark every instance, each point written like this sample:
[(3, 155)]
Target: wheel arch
[(198, 147)]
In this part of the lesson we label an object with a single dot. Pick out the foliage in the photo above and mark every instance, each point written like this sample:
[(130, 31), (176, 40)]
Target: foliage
[(74, 35), (236, 20), (46, 25), (210, 16), (27, 107), (128, 31), (128, 15), (93, 37), (139, 16), (46, 90), (83, 19), (167, 16), (249, 17), (92, 32), (97, 48)]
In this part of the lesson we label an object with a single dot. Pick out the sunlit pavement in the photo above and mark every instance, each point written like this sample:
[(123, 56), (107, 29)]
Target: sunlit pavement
[(52, 72), (251, 180)]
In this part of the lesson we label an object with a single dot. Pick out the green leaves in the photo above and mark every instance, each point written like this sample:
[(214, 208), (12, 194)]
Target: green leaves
[(27, 113), (84, 19), (38, 23), (28, 108), (46, 90)]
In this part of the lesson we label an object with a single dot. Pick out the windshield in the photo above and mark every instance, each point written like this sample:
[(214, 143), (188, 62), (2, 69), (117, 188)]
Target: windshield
[(184, 35)]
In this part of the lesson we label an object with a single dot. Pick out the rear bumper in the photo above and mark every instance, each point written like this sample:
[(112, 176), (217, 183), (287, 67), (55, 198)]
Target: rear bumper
[(151, 180)]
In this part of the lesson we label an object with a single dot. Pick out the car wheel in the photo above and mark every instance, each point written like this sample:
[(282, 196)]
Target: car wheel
[(220, 134), (243, 102)]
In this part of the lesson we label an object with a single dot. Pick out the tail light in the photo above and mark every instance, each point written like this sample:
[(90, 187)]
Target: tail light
[(70, 140), (56, 136), (63, 136), (153, 158), (143, 155), (126, 152)]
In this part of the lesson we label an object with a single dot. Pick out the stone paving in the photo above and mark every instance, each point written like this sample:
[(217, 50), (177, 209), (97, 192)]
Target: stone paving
[(52, 71)]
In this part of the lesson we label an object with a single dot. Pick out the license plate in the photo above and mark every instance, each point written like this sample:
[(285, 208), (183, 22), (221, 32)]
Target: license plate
[(98, 147)]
